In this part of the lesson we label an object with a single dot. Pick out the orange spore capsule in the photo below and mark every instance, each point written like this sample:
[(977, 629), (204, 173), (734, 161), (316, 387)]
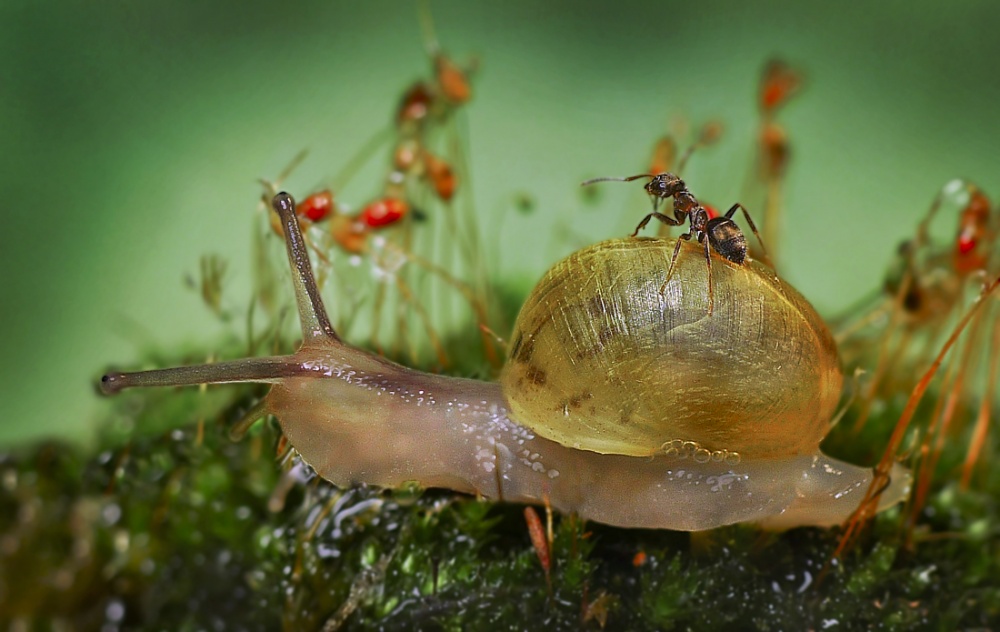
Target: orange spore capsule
[(775, 143), (317, 206), (664, 155), (349, 233), (442, 176), (778, 84), (384, 212), (774, 94), (406, 154), (453, 80)]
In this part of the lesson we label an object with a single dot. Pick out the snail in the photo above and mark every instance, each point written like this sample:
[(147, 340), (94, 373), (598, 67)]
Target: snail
[(625, 405)]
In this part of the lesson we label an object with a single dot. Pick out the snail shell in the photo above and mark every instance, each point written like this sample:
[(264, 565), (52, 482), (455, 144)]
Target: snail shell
[(601, 360)]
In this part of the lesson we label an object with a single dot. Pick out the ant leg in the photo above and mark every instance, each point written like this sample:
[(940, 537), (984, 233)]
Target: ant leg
[(642, 224), (708, 260), (753, 227), (677, 249), (660, 216)]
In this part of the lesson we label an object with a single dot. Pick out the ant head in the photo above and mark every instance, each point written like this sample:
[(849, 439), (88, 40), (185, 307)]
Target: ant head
[(665, 185)]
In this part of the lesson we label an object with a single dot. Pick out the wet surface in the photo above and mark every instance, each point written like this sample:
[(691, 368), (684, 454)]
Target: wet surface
[(184, 528)]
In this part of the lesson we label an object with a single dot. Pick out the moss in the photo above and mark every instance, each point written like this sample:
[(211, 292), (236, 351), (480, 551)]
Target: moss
[(185, 529)]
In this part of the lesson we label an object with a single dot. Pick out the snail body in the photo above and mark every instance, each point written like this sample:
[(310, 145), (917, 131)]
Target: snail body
[(721, 440)]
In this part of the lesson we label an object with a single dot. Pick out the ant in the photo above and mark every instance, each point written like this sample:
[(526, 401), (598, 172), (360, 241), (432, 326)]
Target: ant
[(720, 233)]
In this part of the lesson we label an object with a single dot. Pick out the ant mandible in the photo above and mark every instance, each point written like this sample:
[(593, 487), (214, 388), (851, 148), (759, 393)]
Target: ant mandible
[(720, 233)]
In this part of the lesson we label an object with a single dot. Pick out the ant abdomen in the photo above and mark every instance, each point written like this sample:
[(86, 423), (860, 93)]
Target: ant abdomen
[(727, 239)]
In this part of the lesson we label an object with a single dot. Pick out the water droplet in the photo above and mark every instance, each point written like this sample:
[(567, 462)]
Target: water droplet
[(111, 514), (115, 611), (688, 448)]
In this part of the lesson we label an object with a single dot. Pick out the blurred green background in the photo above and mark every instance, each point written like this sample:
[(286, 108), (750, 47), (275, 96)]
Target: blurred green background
[(133, 133)]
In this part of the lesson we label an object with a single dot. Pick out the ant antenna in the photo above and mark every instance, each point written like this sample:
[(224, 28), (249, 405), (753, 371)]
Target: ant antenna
[(613, 179)]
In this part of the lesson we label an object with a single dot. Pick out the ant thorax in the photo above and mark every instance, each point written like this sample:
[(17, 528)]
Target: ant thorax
[(699, 219), (685, 202)]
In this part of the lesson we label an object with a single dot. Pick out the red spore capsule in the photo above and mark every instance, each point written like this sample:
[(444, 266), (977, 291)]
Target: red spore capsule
[(317, 206), (973, 232), (416, 103), (384, 212)]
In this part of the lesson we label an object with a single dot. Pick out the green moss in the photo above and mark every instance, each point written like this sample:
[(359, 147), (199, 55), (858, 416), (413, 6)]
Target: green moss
[(183, 529)]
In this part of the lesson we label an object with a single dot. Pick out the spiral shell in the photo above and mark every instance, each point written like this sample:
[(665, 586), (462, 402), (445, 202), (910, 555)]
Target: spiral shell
[(601, 360)]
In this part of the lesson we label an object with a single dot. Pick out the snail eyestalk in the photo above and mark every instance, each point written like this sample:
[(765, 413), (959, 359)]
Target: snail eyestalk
[(312, 314), (249, 370)]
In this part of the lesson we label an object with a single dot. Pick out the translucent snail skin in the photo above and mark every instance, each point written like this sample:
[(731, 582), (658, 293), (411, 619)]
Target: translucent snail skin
[(624, 404)]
